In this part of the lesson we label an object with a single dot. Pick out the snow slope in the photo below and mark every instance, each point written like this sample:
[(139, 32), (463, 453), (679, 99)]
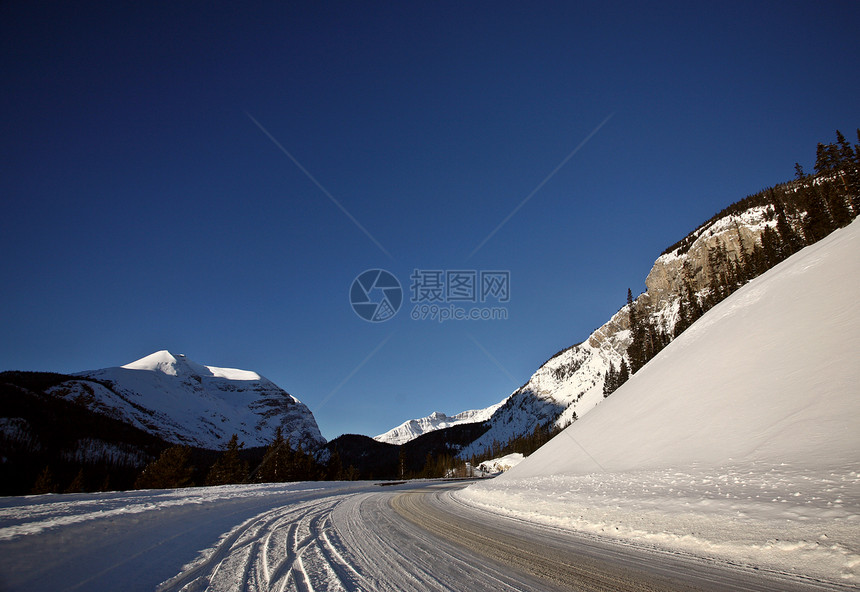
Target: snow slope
[(409, 430), (738, 440), (570, 384), (182, 401)]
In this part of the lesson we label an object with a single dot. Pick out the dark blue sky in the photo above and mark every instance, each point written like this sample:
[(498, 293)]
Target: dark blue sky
[(144, 209)]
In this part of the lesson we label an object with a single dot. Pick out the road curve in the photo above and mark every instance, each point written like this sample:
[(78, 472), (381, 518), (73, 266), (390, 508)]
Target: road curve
[(350, 541), (408, 537), (568, 560)]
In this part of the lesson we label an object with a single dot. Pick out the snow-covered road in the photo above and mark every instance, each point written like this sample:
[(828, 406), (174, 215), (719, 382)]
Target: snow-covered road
[(325, 536)]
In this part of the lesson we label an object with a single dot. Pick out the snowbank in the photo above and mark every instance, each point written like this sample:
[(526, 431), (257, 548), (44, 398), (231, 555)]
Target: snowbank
[(739, 440), (501, 464)]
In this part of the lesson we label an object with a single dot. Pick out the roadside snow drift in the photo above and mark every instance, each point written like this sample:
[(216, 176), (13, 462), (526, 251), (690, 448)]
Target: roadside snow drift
[(739, 440)]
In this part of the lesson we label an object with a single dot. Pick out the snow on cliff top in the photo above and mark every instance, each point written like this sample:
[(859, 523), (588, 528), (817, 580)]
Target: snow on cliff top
[(739, 440), (165, 362)]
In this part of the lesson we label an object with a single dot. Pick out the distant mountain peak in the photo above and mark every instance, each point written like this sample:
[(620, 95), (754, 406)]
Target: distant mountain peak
[(411, 429)]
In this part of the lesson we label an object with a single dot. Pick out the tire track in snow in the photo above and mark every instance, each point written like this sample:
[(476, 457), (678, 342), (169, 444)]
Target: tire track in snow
[(341, 543), (286, 548)]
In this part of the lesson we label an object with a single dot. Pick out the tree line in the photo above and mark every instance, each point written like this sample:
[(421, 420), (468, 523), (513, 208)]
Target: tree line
[(280, 463), (183, 466)]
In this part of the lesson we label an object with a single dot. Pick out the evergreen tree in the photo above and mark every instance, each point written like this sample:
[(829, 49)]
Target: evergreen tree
[(855, 169), (849, 170), (609, 380), (684, 319), (229, 468), (428, 471), (638, 347), (771, 247), (817, 224), (857, 148), (169, 471), (305, 467), (630, 304), (839, 212), (614, 378), (826, 159), (846, 153), (334, 468), (742, 263), (45, 483), (275, 467), (623, 375), (789, 242), (77, 484), (798, 171)]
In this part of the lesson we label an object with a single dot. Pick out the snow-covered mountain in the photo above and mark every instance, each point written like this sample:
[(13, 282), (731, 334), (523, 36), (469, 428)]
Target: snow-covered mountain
[(409, 430), (739, 439), (182, 401), (570, 384), (769, 374)]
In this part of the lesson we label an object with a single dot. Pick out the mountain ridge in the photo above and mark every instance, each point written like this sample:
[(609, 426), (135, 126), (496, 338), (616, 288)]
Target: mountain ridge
[(412, 428), (184, 402)]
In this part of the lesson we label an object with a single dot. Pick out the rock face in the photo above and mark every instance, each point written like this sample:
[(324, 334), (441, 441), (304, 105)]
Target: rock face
[(570, 384), (736, 234), (182, 401)]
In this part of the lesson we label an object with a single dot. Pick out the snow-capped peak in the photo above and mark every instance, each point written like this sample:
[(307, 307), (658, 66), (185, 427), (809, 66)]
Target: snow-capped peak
[(160, 361), (166, 363)]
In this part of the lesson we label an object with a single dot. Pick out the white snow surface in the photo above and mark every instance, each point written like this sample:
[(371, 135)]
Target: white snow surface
[(289, 536), (739, 440), (501, 464), (185, 402), (409, 430), (163, 361)]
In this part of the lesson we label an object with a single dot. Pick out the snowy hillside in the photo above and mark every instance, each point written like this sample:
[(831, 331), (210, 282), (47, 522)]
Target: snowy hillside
[(409, 430), (185, 402), (738, 440), (570, 384), (690, 277)]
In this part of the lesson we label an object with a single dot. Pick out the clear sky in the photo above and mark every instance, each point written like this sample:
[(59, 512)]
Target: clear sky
[(210, 179)]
